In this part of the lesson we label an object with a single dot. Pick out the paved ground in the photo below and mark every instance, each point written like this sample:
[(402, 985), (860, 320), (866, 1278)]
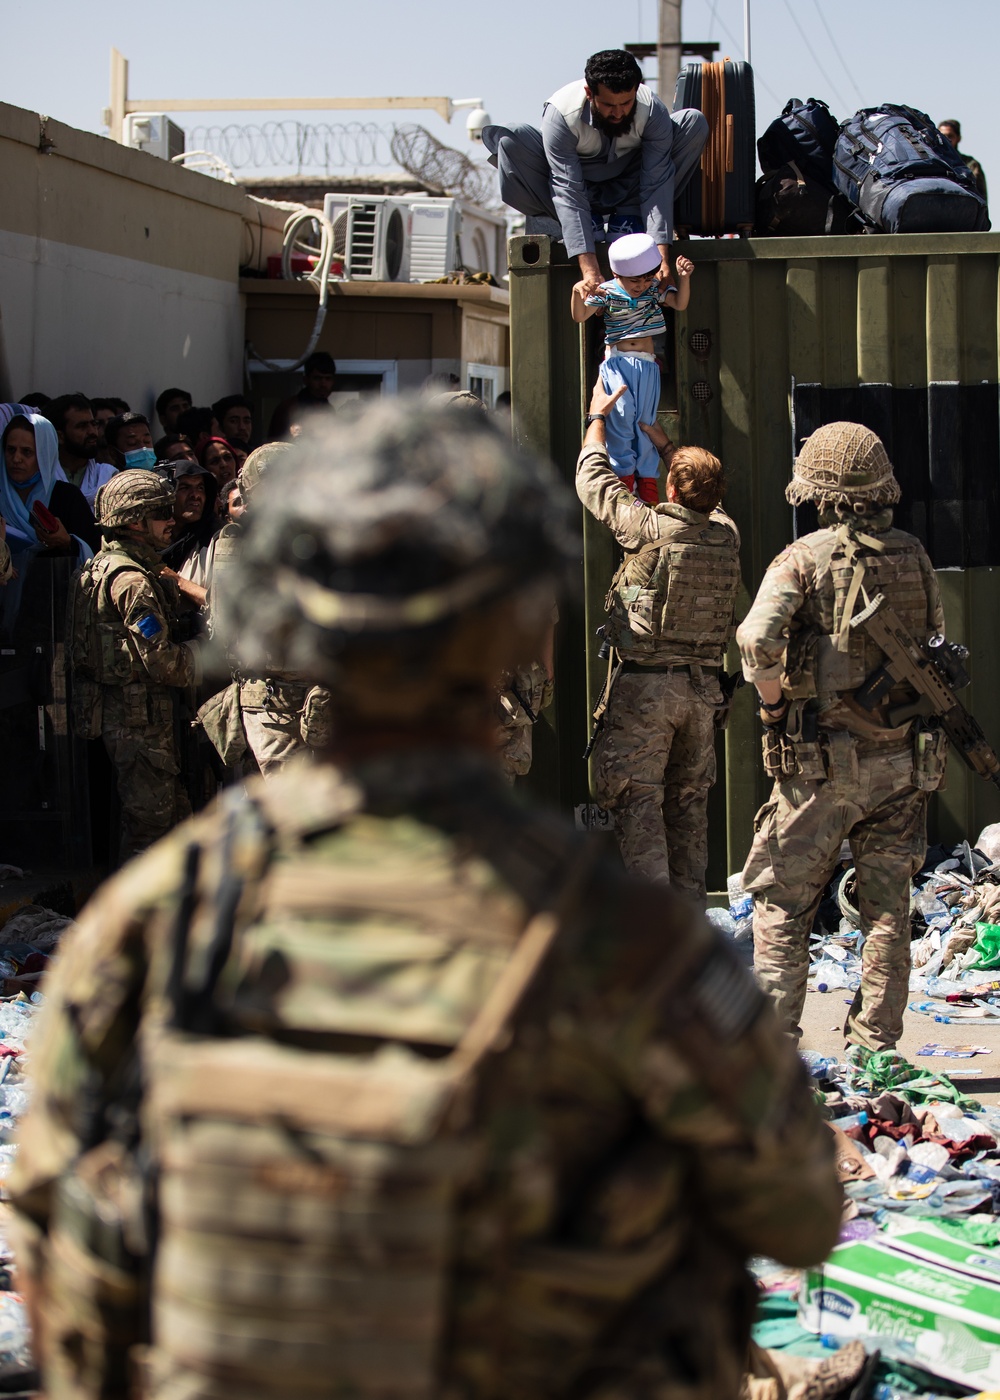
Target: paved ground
[(823, 1019)]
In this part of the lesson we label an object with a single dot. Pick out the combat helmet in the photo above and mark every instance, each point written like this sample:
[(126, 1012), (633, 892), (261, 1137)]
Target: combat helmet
[(131, 497), (843, 466), (261, 460), (404, 558)]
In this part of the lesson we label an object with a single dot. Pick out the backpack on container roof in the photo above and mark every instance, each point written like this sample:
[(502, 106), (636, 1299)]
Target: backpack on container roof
[(805, 136), (904, 176)]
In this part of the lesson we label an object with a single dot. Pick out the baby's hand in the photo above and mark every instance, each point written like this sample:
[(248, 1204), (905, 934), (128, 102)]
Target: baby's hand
[(684, 267)]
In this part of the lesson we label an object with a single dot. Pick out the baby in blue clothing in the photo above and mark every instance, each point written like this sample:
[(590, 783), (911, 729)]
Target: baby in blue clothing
[(632, 306)]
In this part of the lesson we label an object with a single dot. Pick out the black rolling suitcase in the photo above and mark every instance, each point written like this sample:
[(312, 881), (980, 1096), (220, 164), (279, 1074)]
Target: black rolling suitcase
[(719, 198)]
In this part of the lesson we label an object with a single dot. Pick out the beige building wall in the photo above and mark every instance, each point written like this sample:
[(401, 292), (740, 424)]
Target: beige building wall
[(119, 273)]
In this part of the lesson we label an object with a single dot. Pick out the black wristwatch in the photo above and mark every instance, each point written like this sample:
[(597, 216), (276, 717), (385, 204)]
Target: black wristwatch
[(773, 709), (595, 418)]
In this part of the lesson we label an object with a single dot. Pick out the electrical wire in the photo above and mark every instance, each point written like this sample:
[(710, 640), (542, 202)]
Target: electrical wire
[(833, 45), (208, 163), (319, 276), (815, 57)]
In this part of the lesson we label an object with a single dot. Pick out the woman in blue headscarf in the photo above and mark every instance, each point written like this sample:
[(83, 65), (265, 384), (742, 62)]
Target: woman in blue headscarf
[(31, 474)]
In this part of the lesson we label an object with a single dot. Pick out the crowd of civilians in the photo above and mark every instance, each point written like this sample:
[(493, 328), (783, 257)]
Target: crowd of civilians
[(58, 453)]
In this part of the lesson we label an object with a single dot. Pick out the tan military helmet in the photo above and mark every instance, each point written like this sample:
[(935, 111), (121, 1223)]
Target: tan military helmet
[(131, 497), (404, 558), (843, 464), (261, 460)]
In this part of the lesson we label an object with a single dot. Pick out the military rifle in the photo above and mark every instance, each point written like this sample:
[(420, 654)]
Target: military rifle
[(515, 690), (605, 653), (935, 671)]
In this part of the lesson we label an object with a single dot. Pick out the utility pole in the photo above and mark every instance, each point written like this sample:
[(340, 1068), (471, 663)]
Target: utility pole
[(668, 48)]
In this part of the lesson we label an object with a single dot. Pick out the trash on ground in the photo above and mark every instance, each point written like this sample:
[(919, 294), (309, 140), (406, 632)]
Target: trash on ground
[(27, 940), (924, 1309)]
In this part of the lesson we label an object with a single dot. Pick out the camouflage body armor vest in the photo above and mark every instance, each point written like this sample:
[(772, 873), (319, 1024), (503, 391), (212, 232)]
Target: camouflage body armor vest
[(826, 657), (673, 600), (311, 1133), (98, 651), (361, 1116), (276, 692)]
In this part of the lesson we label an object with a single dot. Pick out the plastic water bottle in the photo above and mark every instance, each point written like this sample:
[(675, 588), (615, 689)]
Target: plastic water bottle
[(723, 921), (827, 974), (819, 1066), (851, 1120)]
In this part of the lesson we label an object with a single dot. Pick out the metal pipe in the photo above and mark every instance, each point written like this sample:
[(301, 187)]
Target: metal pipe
[(746, 30)]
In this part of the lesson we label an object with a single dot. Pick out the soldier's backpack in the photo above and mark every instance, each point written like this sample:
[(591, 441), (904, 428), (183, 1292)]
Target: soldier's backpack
[(805, 135), (904, 176), (307, 1088), (791, 204)]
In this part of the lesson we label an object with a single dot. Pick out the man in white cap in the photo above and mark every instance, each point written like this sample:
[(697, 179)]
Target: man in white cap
[(610, 158), (632, 306)]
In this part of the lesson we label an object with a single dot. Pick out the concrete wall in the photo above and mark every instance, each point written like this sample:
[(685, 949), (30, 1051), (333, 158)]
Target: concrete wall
[(118, 271)]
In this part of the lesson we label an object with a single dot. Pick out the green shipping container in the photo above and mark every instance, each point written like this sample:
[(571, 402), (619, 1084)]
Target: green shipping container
[(782, 335)]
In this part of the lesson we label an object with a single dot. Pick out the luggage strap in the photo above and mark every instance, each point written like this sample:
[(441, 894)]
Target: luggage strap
[(718, 157), (857, 585)]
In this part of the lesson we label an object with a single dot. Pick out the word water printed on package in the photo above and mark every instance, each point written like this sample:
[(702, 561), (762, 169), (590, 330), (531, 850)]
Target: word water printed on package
[(938, 1316)]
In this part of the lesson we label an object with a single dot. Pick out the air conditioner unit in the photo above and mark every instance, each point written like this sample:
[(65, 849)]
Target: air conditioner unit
[(433, 238), (383, 238), (155, 133)]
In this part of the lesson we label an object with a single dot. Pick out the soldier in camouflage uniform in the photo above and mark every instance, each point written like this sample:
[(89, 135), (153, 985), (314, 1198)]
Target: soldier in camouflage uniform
[(840, 772), (281, 714), (435, 1100), (125, 671), (671, 618)]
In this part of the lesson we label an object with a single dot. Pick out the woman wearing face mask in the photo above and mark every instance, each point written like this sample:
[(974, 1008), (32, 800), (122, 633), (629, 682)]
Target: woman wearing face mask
[(30, 476), (217, 456), (129, 441)]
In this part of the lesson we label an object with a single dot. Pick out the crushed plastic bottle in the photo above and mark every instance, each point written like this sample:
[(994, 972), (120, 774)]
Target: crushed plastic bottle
[(827, 974), (819, 1066), (740, 903), (723, 921)]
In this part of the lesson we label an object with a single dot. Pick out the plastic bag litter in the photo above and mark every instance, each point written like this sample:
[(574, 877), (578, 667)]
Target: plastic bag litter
[(988, 841), (986, 946), (828, 974), (34, 924)]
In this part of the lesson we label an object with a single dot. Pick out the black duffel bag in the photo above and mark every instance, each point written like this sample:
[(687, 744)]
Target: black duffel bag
[(791, 204), (804, 135)]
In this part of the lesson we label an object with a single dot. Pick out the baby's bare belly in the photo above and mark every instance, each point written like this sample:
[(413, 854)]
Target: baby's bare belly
[(631, 347)]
